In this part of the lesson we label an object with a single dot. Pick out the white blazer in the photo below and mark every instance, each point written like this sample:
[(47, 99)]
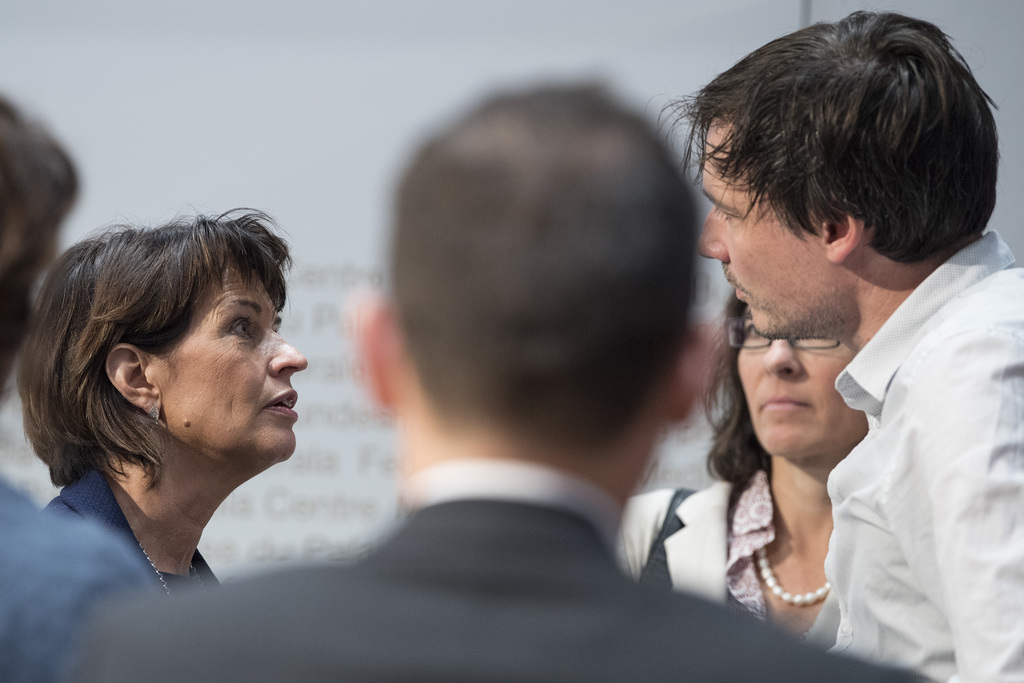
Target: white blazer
[(697, 553)]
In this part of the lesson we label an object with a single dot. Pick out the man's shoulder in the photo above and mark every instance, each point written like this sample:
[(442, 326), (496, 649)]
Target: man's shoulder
[(280, 625), (72, 549), (995, 303), (983, 324), (54, 572), (723, 645), (312, 591), (324, 621)]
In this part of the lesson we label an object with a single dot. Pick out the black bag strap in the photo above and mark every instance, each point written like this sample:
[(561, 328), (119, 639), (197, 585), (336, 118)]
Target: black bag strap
[(655, 572)]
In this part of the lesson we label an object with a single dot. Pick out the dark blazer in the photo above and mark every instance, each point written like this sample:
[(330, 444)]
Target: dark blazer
[(92, 498), (465, 591)]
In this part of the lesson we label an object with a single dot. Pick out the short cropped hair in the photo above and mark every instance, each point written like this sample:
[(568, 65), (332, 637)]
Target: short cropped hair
[(134, 285), (542, 264), (876, 116), (38, 185), (736, 455)]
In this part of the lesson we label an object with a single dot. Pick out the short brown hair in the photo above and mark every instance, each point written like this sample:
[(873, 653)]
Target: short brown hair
[(132, 285), (37, 188), (876, 116), (542, 264)]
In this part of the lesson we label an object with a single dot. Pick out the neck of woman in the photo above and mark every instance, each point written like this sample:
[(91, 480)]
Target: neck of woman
[(168, 518), (803, 523), (803, 510)]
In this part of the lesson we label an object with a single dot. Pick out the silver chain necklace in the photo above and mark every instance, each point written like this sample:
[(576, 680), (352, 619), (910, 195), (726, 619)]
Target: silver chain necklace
[(191, 571)]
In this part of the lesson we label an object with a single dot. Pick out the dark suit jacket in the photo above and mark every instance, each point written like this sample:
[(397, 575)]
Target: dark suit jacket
[(91, 497), (465, 591)]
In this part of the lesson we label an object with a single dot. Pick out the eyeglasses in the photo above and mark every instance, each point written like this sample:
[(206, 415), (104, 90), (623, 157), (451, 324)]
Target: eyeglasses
[(742, 335)]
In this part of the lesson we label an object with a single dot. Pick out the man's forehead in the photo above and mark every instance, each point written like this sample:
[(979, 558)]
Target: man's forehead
[(717, 134), (725, 194), (732, 195)]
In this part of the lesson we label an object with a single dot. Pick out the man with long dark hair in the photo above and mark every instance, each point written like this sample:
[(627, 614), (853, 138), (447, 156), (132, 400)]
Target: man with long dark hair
[(852, 171)]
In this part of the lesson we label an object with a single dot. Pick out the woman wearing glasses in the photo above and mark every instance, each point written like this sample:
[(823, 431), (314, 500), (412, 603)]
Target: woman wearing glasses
[(756, 539)]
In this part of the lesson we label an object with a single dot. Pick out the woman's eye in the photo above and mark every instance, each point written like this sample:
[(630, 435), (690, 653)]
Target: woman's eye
[(243, 327)]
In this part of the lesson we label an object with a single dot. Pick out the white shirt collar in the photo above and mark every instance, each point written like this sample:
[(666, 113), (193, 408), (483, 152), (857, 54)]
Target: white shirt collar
[(866, 379), (514, 481)]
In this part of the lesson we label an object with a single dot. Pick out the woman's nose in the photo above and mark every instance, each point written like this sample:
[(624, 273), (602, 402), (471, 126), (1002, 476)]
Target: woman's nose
[(781, 358), (288, 358)]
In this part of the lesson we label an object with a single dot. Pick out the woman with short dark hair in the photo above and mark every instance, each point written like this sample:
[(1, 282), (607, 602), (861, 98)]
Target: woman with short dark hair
[(157, 382), (757, 538)]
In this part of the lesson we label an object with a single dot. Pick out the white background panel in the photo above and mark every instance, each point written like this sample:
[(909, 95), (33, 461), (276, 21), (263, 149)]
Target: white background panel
[(307, 109)]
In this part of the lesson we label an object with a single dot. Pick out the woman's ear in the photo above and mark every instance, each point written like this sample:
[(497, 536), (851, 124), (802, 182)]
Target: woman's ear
[(126, 370)]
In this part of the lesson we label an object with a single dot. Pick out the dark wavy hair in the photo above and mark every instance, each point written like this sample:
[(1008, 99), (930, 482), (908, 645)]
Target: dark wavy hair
[(736, 455), (876, 116), (132, 285)]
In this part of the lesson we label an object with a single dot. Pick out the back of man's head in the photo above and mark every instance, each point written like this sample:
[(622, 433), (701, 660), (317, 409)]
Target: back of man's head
[(37, 186), (542, 265), (876, 116)]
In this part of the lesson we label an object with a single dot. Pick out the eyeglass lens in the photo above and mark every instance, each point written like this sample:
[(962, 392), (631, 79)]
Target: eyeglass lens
[(743, 335)]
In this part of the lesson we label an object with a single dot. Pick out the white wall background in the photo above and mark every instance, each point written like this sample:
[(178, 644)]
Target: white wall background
[(307, 108)]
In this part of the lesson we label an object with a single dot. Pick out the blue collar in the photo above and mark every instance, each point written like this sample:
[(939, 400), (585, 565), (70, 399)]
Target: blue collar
[(92, 498)]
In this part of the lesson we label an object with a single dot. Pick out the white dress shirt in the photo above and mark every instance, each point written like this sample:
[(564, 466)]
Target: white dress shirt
[(927, 556)]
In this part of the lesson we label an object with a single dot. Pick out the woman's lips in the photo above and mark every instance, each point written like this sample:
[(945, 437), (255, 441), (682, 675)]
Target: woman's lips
[(783, 403), (283, 410), (284, 404)]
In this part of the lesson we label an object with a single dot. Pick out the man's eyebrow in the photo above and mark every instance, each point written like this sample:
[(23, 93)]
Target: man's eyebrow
[(727, 208), (719, 203)]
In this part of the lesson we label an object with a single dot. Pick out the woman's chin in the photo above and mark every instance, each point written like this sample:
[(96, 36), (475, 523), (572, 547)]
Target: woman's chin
[(283, 454), (278, 452)]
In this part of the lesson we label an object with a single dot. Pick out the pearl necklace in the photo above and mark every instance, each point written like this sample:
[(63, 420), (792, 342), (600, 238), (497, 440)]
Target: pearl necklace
[(798, 600)]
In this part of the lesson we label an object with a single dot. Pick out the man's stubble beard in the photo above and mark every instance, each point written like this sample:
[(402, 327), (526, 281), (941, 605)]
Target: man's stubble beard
[(820, 319)]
